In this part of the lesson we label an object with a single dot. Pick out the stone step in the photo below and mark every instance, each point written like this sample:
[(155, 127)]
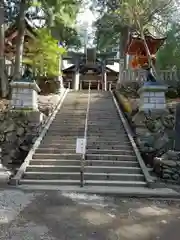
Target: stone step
[(70, 156), (61, 141), (59, 146), (68, 121), (88, 183), (106, 128), (87, 176), (87, 169), (55, 150), (110, 157), (87, 162), (116, 133), (50, 182), (61, 138), (63, 134), (108, 138), (109, 146), (66, 131), (115, 183), (72, 111), (64, 123), (110, 151), (112, 142), (70, 116), (105, 124), (62, 128)]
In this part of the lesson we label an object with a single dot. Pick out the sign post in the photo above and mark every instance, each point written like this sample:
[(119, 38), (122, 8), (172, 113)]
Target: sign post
[(80, 145)]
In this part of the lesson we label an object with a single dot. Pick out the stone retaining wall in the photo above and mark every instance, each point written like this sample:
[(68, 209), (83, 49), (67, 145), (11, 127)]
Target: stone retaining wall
[(17, 134)]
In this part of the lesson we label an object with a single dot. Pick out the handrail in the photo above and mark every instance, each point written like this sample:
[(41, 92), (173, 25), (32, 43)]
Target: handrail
[(85, 137)]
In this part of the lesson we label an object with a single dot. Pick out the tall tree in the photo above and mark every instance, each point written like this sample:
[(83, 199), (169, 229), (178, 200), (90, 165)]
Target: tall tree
[(140, 14), (24, 4), (134, 15), (54, 13)]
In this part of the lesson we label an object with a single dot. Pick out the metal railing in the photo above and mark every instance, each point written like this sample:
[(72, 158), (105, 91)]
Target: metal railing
[(85, 139)]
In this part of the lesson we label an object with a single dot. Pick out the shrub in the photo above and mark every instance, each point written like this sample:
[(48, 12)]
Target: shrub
[(130, 89), (171, 93), (125, 104)]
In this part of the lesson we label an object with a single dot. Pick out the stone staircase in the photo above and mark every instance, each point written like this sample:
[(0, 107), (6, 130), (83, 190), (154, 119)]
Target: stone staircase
[(110, 159)]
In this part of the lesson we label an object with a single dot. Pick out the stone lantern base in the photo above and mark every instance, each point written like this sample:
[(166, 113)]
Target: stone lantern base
[(152, 97), (24, 96)]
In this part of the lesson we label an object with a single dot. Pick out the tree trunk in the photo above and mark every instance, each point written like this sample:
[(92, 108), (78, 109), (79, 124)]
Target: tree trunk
[(122, 55), (20, 40), (3, 78), (150, 62)]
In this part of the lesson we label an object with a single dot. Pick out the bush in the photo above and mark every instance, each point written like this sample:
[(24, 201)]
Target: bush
[(171, 93), (47, 85), (124, 102), (125, 105), (130, 89)]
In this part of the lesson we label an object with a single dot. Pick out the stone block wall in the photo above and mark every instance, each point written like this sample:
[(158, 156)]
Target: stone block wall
[(152, 100)]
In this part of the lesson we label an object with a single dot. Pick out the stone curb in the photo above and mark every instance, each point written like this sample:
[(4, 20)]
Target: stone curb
[(130, 192)]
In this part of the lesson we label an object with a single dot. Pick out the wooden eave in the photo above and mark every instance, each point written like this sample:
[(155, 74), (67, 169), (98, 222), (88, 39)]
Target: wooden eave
[(158, 41)]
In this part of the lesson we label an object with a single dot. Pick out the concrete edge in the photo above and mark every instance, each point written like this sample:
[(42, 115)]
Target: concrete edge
[(147, 176), (22, 169), (161, 194)]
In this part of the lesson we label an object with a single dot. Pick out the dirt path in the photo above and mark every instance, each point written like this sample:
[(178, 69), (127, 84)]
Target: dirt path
[(56, 216)]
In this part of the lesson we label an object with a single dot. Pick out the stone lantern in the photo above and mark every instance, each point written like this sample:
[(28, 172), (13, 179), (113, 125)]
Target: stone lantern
[(25, 98), (25, 93)]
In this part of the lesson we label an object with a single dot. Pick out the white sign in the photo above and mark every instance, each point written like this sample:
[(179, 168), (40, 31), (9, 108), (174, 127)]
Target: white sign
[(80, 145)]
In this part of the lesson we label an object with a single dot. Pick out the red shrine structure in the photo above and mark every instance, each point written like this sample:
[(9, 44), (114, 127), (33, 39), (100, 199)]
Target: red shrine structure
[(136, 48)]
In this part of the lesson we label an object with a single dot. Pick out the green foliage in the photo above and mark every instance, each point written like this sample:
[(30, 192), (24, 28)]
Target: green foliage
[(169, 55), (106, 37), (43, 53), (134, 15), (62, 11), (58, 15)]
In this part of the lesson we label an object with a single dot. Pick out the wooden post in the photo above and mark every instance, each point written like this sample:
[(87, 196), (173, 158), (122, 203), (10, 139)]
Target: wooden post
[(69, 85), (76, 76), (98, 86), (89, 85), (110, 86)]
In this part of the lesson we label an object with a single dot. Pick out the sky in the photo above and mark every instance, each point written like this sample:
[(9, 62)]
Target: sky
[(86, 17), (85, 21)]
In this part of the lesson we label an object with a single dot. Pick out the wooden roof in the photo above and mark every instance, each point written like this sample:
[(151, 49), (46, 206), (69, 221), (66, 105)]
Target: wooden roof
[(135, 44), (72, 69)]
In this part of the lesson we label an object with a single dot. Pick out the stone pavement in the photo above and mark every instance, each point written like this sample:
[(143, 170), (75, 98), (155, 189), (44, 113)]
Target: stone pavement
[(52, 215)]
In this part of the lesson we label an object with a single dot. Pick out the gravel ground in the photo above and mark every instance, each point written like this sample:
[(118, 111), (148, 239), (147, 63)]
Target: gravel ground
[(53, 215)]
